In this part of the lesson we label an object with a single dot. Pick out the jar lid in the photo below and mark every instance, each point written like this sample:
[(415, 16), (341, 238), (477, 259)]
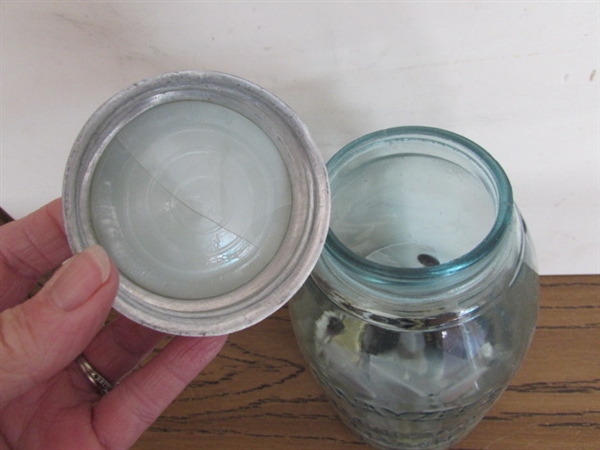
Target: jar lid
[(207, 192)]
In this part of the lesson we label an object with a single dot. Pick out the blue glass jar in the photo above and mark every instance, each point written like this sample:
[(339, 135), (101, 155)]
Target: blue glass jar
[(424, 300)]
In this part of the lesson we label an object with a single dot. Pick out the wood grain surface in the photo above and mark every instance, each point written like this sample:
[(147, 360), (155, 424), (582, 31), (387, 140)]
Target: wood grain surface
[(259, 394)]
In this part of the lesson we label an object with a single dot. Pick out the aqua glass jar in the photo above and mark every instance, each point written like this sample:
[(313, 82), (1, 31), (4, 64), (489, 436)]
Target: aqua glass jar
[(424, 300)]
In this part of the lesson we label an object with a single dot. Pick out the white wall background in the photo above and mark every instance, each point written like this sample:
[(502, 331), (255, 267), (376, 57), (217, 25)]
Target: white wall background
[(519, 78)]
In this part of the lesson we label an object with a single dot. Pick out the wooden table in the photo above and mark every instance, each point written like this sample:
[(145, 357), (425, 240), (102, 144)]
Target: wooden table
[(258, 393)]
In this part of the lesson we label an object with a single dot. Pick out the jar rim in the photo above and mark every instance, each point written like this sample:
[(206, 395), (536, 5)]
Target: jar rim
[(392, 274)]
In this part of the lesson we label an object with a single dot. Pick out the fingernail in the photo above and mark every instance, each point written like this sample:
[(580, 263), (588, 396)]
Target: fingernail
[(79, 278), (102, 261)]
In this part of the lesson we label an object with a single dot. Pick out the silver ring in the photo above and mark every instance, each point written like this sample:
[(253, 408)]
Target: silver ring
[(102, 385)]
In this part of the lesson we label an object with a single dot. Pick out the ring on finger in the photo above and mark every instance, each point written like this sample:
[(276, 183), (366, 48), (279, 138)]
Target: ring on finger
[(101, 384)]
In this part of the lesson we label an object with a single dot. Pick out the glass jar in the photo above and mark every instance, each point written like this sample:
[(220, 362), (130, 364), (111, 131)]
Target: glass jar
[(424, 300)]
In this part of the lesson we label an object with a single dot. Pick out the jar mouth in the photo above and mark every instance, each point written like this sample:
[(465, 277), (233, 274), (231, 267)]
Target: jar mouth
[(402, 141)]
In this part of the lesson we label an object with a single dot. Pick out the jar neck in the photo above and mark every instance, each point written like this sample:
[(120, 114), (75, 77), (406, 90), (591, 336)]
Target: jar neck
[(423, 224)]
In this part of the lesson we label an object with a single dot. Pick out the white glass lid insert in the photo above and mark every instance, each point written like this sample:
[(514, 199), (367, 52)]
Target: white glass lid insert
[(191, 199)]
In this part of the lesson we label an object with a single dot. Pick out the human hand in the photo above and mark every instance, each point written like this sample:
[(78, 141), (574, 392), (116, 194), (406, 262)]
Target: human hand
[(45, 399)]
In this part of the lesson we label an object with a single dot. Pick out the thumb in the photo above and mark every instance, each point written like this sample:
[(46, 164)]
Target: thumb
[(42, 336)]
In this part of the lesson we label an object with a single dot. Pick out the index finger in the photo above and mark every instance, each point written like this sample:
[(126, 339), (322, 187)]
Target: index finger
[(29, 248)]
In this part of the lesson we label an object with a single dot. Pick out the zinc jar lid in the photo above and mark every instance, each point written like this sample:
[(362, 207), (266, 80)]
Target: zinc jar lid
[(207, 192)]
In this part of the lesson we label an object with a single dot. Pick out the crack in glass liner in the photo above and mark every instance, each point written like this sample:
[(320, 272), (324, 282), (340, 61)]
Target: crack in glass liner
[(424, 300), (209, 195)]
